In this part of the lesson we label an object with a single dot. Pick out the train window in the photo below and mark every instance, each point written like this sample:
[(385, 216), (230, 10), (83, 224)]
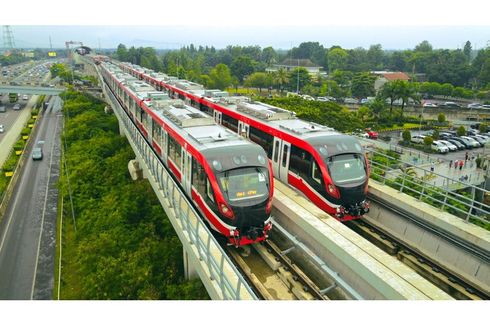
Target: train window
[(284, 155), (209, 190), (316, 173), (264, 139), (198, 177), (276, 154), (230, 123), (141, 116), (157, 132), (174, 151), (299, 161)]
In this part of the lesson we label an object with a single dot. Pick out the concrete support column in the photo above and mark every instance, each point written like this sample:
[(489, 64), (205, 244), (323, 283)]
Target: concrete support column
[(190, 271), (135, 171), (121, 128)]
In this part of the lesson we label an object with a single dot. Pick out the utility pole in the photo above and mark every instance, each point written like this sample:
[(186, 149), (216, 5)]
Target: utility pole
[(50, 44), (8, 38), (297, 78)]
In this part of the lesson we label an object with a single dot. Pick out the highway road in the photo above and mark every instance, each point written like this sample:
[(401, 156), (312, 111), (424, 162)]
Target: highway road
[(28, 229)]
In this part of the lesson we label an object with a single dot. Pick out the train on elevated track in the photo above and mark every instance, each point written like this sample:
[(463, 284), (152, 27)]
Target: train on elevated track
[(227, 177), (328, 167)]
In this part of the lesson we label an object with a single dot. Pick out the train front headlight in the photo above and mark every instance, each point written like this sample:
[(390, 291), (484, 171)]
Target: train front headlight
[(226, 211)]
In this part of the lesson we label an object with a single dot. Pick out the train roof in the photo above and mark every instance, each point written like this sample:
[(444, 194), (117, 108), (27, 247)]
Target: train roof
[(191, 123), (198, 125)]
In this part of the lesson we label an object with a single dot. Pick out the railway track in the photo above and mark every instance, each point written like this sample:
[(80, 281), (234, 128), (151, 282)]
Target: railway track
[(283, 269), (424, 266)]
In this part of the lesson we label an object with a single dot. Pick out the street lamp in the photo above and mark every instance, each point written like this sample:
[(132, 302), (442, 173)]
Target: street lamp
[(421, 115)]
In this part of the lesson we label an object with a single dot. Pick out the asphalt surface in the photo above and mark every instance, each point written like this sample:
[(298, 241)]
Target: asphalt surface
[(28, 229)]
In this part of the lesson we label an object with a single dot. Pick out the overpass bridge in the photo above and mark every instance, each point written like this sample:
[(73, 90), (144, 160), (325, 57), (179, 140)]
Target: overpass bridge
[(31, 90)]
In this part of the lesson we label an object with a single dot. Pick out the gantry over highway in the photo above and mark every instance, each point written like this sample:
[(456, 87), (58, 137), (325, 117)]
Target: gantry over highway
[(31, 90)]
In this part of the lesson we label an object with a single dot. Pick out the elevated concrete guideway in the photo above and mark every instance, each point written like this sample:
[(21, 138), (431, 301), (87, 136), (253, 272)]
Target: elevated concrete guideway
[(31, 90)]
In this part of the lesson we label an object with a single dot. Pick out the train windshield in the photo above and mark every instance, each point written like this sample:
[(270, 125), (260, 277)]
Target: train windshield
[(244, 183), (346, 168)]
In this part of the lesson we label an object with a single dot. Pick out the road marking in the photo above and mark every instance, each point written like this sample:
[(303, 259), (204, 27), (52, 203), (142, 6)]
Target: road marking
[(44, 210), (61, 249)]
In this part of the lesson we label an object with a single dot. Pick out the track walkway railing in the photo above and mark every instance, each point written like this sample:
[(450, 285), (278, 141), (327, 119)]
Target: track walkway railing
[(465, 203), (218, 274)]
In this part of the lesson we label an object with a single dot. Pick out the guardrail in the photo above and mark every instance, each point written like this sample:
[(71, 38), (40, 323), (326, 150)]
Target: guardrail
[(196, 234), (401, 176)]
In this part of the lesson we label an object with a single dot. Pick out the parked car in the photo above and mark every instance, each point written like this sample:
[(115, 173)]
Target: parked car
[(439, 147), (473, 143), (25, 97), (456, 143), (372, 134), (350, 100), (419, 139), (485, 106), (474, 106), (16, 107), (472, 132), (2, 128), (322, 99), (3, 108), (451, 105), (37, 153), (452, 147), (479, 139), (430, 105)]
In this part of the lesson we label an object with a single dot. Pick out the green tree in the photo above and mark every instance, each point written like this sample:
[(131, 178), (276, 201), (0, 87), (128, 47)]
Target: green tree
[(299, 78), (428, 141), (259, 80), (337, 59), (281, 78), (220, 76), (441, 117), (467, 50), (269, 55), (406, 91), (377, 106), (362, 85), (242, 66), (483, 127), (435, 134), (391, 91), (364, 113), (122, 52), (461, 131), (424, 46), (406, 135)]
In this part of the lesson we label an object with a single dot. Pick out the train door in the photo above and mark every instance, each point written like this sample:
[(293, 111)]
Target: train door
[(243, 129), (217, 116), (186, 170), (280, 159), (164, 145)]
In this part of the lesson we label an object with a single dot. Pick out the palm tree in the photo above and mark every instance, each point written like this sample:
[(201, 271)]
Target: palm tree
[(390, 90), (407, 91), (281, 77)]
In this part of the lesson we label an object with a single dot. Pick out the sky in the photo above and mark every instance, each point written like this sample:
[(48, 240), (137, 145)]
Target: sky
[(281, 24)]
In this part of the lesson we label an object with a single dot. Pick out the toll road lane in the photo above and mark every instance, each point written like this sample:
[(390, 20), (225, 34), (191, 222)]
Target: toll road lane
[(27, 232)]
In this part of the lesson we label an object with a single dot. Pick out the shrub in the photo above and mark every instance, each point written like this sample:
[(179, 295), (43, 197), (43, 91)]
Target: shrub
[(25, 131), (406, 135)]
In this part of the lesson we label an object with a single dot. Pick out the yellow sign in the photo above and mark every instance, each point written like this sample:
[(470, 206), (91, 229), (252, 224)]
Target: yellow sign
[(51, 54), (29, 54)]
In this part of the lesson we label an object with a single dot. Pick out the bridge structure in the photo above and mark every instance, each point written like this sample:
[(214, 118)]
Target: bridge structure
[(374, 274), (31, 90)]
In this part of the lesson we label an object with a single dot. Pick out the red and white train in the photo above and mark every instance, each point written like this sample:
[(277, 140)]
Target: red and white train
[(328, 167), (227, 177)]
